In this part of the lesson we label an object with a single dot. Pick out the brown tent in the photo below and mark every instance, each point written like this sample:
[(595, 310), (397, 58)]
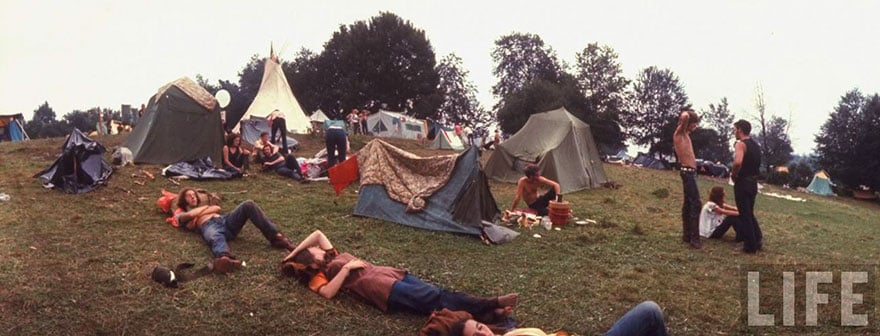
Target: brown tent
[(559, 143)]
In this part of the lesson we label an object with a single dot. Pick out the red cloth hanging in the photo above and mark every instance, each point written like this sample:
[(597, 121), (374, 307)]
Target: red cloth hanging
[(343, 174)]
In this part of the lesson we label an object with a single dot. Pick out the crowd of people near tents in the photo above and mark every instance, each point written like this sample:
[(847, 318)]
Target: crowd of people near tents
[(181, 127)]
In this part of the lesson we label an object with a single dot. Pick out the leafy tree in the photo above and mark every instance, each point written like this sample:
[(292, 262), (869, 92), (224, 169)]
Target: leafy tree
[(539, 95), (44, 125), (302, 74), (83, 120), (600, 77), (800, 172), (384, 61), (848, 145), (460, 104), (238, 103), (543, 95), (776, 148), (205, 83), (719, 118), (520, 59), (708, 145), (656, 100), (249, 79)]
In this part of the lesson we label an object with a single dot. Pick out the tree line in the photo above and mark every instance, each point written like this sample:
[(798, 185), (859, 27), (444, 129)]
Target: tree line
[(385, 62)]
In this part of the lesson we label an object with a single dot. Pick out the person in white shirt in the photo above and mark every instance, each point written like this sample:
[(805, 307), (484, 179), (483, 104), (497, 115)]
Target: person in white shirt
[(716, 217), (468, 135)]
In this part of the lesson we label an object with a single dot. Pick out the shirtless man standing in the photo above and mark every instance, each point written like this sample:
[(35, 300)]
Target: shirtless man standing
[(690, 210), (216, 229), (527, 190)]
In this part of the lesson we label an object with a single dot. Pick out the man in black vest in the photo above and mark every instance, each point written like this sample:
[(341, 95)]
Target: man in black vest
[(746, 161)]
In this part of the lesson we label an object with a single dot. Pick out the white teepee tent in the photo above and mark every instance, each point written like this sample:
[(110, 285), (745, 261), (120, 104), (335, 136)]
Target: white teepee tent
[(275, 94)]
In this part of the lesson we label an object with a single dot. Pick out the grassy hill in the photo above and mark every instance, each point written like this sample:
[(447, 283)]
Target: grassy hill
[(79, 264)]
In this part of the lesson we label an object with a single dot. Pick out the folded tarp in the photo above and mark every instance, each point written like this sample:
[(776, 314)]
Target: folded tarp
[(200, 169)]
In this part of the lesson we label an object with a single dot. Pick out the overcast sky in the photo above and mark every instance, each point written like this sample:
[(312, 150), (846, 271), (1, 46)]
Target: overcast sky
[(82, 54)]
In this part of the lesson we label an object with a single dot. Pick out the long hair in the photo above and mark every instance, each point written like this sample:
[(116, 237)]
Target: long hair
[(716, 195), (298, 267), (230, 139), (181, 198)]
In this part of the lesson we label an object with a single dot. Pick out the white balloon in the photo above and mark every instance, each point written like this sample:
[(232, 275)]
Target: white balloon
[(223, 98)]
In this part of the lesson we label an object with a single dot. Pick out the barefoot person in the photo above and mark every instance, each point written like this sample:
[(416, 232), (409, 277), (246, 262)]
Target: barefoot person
[(690, 209), (527, 190), (746, 160), (195, 214), (315, 263)]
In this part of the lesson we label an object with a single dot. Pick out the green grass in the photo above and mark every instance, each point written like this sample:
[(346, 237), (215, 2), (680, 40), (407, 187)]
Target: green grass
[(78, 264)]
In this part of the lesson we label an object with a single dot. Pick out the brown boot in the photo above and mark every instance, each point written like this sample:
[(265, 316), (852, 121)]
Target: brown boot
[(693, 230), (282, 242), (225, 264)]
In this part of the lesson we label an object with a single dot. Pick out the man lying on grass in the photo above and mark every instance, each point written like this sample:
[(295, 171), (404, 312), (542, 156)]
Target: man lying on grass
[(216, 229), (315, 263)]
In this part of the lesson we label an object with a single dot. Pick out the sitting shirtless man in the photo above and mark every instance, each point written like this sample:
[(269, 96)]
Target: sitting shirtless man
[(216, 229), (527, 190)]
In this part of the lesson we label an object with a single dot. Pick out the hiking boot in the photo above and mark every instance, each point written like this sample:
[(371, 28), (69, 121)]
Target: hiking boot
[(225, 264), (282, 242)]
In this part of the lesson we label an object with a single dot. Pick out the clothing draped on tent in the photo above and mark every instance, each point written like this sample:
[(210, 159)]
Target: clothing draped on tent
[(462, 204), (80, 168), (407, 177)]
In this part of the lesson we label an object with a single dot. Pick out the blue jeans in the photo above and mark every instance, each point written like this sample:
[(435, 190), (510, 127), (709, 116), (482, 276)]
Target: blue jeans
[(335, 140), (690, 208), (646, 319), (218, 230), (413, 295)]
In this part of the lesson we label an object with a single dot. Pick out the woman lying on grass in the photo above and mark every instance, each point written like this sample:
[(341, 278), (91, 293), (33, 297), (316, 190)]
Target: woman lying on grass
[(315, 263), (646, 319)]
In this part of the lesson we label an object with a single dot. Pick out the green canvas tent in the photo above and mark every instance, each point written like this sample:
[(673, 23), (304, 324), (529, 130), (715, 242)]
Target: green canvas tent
[(559, 143), (181, 123), (445, 140), (821, 184)]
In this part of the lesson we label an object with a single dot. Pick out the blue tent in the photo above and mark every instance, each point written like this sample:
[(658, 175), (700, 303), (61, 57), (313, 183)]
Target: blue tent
[(11, 128), (821, 184), (460, 206)]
